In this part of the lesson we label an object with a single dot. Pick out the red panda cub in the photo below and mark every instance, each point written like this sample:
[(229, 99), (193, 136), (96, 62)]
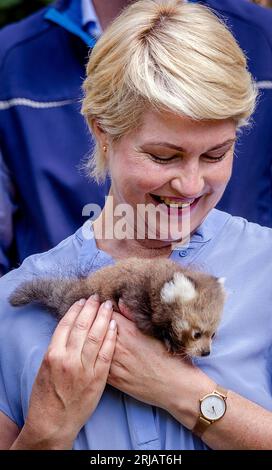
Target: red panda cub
[(179, 306)]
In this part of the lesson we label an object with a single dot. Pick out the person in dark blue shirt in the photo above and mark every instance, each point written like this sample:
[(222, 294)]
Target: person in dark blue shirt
[(249, 193), (43, 135)]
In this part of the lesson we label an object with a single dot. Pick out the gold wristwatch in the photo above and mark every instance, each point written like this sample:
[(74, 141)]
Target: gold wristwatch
[(212, 408)]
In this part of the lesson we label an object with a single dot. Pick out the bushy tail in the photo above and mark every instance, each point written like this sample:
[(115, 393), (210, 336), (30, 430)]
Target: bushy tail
[(50, 293)]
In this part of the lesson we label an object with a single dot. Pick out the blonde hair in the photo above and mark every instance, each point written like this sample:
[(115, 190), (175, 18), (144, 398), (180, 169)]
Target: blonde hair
[(170, 56)]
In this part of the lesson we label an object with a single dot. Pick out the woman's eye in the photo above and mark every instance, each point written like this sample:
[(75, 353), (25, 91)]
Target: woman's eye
[(197, 335), (162, 159), (215, 159)]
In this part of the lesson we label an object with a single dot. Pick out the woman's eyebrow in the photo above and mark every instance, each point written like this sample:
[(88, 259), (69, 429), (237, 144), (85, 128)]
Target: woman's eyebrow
[(229, 141), (180, 149), (166, 144)]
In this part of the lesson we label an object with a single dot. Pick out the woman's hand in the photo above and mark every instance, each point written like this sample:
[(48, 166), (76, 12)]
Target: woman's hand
[(142, 367), (72, 376)]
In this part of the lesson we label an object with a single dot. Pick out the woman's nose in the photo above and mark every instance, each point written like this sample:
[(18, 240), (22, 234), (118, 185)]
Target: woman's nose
[(188, 183)]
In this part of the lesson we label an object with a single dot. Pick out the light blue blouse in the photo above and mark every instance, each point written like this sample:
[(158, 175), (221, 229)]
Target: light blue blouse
[(241, 357)]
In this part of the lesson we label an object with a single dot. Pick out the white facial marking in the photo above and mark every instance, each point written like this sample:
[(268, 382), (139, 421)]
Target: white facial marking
[(180, 288), (221, 280), (182, 324)]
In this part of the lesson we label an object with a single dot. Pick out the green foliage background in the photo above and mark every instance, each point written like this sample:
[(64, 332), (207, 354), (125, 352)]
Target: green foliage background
[(15, 10)]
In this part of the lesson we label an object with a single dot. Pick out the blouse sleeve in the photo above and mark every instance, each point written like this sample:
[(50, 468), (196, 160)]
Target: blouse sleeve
[(25, 333)]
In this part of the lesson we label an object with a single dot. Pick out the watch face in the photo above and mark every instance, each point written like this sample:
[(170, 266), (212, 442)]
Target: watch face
[(213, 407)]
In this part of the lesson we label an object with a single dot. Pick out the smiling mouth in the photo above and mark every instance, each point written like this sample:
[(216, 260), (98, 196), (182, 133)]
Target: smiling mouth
[(175, 202)]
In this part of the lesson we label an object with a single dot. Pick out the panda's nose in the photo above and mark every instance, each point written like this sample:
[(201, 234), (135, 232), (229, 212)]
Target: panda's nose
[(205, 353)]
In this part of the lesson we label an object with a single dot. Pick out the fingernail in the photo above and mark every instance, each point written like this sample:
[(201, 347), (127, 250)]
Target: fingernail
[(108, 304), (120, 301), (82, 301), (112, 325), (95, 297)]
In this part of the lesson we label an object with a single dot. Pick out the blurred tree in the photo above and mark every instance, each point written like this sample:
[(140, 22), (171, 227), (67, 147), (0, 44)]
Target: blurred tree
[(15, 10), (263, 3)]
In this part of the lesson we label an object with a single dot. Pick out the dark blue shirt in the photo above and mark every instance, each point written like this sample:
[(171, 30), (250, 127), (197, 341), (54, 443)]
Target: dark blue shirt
[(249, 192), (43, 136)]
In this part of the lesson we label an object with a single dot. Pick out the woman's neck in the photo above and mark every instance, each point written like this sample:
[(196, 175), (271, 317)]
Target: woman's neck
[(120, 249), (107, 11)]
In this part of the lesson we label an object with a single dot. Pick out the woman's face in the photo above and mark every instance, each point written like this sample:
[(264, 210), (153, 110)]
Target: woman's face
[(173, 162)]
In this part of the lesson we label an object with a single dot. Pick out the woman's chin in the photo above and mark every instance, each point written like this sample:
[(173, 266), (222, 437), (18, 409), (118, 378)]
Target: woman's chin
[(164, 237)]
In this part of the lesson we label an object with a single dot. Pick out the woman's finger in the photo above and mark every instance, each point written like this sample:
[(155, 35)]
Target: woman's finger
[(62, 331), (104, 358), (96, 334), (82, 324)]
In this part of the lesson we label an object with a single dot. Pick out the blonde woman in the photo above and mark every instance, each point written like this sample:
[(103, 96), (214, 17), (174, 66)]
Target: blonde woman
[(166, 92)]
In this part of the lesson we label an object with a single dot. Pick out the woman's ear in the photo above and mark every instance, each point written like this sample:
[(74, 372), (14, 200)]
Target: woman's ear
[(99, 133)]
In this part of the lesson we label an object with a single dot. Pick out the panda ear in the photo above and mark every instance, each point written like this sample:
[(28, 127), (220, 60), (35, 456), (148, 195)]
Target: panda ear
[(180, 288)]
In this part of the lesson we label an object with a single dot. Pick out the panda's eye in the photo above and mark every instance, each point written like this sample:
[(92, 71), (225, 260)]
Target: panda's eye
[(197, 335)]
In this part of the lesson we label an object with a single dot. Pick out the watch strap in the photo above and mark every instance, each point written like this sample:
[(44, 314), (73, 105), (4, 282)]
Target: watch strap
[(201, 425), (221, 391)]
